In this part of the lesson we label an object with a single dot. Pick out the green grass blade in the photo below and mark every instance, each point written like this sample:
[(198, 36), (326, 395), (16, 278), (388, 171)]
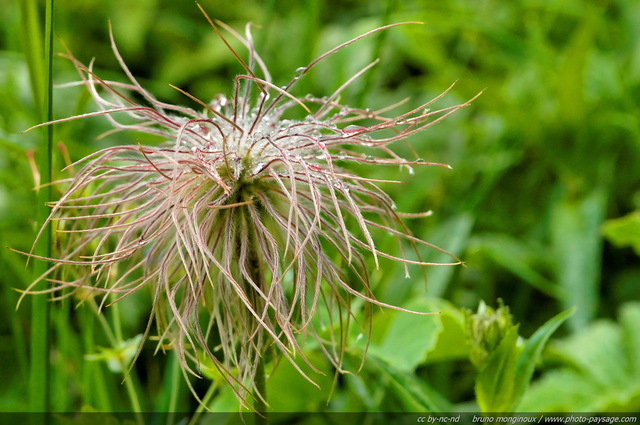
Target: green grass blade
[(33, 48)]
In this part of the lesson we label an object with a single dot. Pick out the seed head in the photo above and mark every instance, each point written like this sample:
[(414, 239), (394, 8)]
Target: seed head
[(242, 223)]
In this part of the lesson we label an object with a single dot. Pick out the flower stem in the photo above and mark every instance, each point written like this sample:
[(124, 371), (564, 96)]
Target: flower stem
[(205, 402), (40, 368), (115, 338)]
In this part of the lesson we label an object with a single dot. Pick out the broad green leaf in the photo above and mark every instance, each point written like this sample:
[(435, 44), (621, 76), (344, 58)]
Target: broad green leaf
[(409, 337), (596, 352), (630, 319), (495, 382), (452, 342), (410, 340), (624, 231), (289, 391), (531, 352), (600, 369), (559, 391)]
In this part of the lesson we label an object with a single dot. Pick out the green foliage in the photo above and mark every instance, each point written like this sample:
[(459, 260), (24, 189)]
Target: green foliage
[(624, 231), (118, 358), (597, 370), (576, 244)]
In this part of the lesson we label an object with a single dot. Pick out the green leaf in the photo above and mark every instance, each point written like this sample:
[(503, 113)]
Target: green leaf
[(414, 393), (289, 391), (452, 235), (495, 382), (629, 319), (520, 258), (411, 340), (577, 246), (599, 369), (452, 341), (570, 76), (624, 231), (119, 358), (532, 351), (409, 337)]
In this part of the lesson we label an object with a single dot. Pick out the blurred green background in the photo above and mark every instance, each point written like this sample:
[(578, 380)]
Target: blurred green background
[(539, 204)]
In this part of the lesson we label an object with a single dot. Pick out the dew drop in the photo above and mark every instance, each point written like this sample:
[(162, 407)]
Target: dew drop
[(352, 129), (301, 70), (411, 171), (420, 160)]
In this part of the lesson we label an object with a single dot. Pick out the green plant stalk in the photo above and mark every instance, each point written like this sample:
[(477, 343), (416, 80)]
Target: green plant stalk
[(174, 371), (95, 391), (128, 381), (65, 347), (168, 398), (130, 378), (205, 402), (39, 379)]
